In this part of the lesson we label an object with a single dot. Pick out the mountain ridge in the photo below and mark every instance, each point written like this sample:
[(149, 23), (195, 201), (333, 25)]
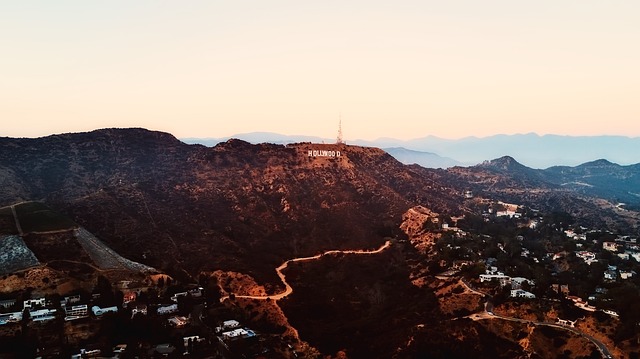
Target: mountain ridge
[(534, 150)]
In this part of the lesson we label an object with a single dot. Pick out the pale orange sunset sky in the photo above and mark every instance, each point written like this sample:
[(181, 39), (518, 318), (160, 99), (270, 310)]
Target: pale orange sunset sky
[(402, 69)]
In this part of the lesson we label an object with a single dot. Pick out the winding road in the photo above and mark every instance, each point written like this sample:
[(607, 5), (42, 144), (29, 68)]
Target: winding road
[(288, 289), (488, 313)]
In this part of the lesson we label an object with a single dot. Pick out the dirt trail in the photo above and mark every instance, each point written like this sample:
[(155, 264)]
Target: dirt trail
[(288, 289)]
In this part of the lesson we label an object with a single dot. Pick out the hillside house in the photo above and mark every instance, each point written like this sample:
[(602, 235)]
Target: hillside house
[(174, 298), (167, 309), (230, 324), (587, 257), (34, 303), (8, 303), (72, 299), (10, 318), (611, 246), (42, 315), (238, 333), (517, 282), (99, 312), (519, 293), (624, 256), (139, 309), (178, 322), (492, 273), (626, 275), (610, 275), (76, 312)]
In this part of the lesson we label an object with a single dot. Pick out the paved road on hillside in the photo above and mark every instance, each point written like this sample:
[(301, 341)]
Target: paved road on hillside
[(487, 313), (288, 289)]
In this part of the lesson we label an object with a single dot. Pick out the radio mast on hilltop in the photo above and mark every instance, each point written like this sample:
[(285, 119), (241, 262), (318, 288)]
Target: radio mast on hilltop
[(339, 140)]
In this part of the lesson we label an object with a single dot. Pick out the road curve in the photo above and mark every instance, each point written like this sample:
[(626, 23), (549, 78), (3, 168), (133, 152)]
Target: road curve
[(601, 347), (288, 289), (488, 313)]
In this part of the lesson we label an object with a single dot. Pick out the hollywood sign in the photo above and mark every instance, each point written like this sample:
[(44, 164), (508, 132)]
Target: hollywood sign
[(324, 153)]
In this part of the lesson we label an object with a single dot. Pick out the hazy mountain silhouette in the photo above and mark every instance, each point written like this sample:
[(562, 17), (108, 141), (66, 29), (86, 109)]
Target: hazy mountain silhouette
[(530, 149)]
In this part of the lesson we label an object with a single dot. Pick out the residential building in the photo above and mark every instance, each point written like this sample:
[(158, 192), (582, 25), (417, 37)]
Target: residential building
[(611, 246), (175, 297), (178, 322), (167, 309), (98, 312), (238, 333), (33, 303), (8, 303), (76, 312), (517, 282), (519, 293), (7, 318), (610, 275), (626, 275), (42, 315)]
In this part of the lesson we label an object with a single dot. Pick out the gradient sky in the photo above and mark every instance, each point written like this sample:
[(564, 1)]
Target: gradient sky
[(402, 69)]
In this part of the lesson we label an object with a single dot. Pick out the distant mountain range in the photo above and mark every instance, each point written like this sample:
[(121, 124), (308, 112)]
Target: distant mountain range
[(532, 150)]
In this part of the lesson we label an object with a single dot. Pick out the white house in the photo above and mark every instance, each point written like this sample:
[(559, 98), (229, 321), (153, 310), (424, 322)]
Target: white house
[(174, 298), (626, 275), (30, 303), (230, 324), (517, 282), (587, 257), (76, 312), (7, 303), (42, 315), (167, 309), (139, 309), (519, 293), (98, 312), (503, 279), (610, 275), (10, 318)]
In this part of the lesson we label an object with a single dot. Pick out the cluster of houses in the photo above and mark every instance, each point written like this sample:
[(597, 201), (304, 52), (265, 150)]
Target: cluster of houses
[(72, 308), (624, 247), (41, 310), (516, 283)]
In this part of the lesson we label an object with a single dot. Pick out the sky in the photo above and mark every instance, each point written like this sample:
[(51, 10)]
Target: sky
[(401, 69)]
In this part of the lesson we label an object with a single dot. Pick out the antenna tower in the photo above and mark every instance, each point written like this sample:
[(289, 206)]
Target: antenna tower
[(339, 140)]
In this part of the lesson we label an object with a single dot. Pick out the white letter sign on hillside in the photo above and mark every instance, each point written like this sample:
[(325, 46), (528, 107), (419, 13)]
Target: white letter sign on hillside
[(324, 153)]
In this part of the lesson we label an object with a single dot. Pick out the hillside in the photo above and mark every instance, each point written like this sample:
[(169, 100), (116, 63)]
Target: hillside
[(48, 242), (241, 210), (149, 195)]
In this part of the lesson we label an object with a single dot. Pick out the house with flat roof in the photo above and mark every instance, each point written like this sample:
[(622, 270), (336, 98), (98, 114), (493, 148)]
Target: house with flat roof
[(42, 315), (76, 312)]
